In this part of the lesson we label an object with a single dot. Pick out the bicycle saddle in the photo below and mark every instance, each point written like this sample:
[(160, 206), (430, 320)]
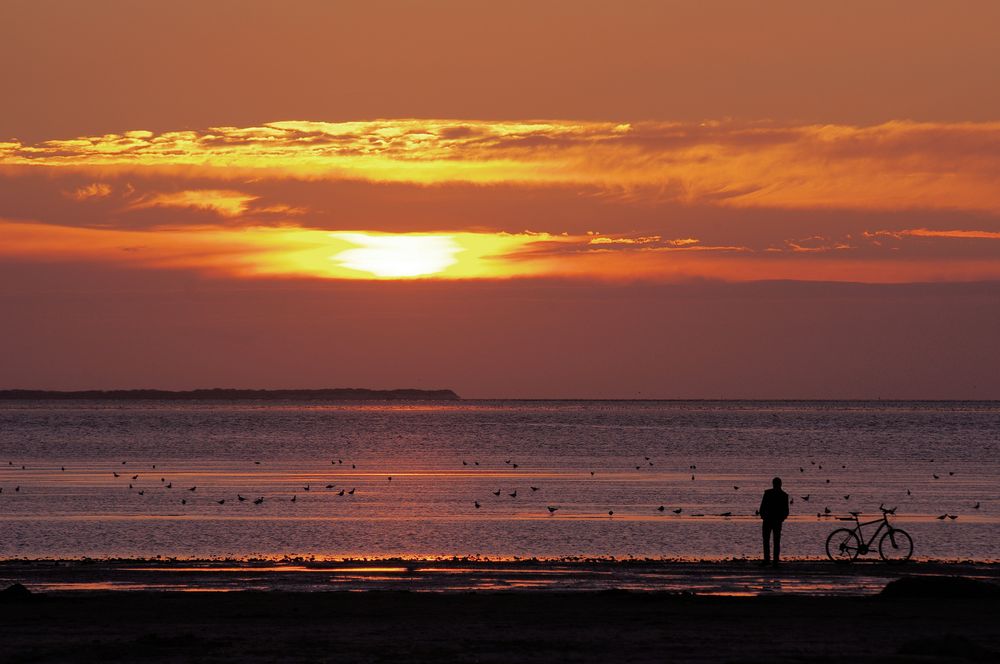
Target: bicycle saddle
[(855, 514)]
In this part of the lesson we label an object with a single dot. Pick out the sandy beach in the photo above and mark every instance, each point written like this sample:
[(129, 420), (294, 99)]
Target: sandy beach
[(704, 612)]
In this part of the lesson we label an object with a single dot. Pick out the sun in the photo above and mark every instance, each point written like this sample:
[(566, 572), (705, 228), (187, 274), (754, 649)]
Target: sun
[(397, 256)]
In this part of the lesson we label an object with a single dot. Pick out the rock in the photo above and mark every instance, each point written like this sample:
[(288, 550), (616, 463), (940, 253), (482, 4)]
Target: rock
[(956, 587), (15, 593)]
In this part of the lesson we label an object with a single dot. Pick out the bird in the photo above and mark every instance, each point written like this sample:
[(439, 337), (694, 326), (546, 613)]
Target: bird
[(660, 508), (611, 512), (142, 493), (464, 463), (828, 481), (952, 516), (115, 474), (305, 488), (170, 485), (726, 514), (551, 509), (591, 473), (805, 497), (256, 463), (847, 497), (801, 469), (935, 476), (475, 462), (341, 493), (390, 477), (163, 479), (135, 477), (293, 499), (951, 472), (513, 495), (942, 517), (259, 501), (534, 488), (826, 510), (678, 510), (351, 492), (976, 506), (497, 492), (194, 488), (221, 502), (184, 501), (637, 467), (130, 485), (63, 468), (513, 465), (476, 503), (507, 462), (329, 486), (692, 478), (240, 498), (908, 492), (735, 488), (646, 458)]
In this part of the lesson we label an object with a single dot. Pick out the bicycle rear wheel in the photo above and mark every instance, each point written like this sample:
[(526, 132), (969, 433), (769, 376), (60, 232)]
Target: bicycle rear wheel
[(842, 546), (896, 546)]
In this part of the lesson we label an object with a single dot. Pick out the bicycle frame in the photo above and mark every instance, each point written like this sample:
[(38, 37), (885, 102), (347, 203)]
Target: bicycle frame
[(883, 523)]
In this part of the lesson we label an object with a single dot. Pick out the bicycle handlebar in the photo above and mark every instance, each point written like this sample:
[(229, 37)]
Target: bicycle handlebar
[(886, 510)]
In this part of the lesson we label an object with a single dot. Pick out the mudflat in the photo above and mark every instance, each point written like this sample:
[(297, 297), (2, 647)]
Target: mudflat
[(521, 626)]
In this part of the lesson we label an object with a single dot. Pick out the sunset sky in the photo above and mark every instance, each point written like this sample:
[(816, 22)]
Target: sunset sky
[(523, 199)]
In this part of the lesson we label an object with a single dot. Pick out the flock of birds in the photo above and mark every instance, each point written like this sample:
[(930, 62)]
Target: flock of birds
[(132, 478)]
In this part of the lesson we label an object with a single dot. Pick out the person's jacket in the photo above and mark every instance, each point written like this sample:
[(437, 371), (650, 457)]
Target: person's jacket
[(774, 505)]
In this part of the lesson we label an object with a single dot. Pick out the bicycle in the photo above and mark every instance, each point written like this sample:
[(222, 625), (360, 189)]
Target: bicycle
[(845, 545)]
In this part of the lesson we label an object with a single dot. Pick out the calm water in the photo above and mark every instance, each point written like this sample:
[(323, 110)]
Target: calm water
[(872, 452)]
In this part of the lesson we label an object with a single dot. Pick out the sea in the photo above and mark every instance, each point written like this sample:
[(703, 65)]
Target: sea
[(494, 480)]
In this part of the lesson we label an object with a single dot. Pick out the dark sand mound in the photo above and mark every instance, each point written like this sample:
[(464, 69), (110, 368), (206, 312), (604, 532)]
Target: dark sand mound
[(953, 587)]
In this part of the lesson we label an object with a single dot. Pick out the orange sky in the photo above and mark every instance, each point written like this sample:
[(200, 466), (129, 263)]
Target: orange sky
[(568, 155)]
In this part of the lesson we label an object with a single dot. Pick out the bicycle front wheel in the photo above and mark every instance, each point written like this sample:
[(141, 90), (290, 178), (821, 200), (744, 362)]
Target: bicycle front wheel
[(842, 546), (896, 546)]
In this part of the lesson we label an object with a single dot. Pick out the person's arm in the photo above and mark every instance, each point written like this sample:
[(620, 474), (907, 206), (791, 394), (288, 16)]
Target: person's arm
[(763, 502)]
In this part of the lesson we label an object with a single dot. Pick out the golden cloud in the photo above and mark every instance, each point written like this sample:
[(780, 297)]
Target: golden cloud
[(895, 165)]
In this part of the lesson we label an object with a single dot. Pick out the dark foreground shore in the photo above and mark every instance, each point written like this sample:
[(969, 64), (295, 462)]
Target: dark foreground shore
[(386, 626)]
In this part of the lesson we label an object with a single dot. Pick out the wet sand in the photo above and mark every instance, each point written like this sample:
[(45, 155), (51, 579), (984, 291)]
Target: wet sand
[(798, 620), (740, 577)]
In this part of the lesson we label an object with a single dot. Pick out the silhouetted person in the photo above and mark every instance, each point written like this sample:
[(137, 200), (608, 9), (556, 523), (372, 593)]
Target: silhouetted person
[(773, 511)]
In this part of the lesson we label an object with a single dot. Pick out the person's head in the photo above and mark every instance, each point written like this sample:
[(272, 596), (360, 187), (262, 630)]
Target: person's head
[(776, 482)]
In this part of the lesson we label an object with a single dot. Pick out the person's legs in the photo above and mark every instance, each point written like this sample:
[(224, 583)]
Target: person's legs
[(766, 530), (777, 541)]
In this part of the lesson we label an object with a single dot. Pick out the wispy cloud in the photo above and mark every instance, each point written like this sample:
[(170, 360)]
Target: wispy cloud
[(224, 202)]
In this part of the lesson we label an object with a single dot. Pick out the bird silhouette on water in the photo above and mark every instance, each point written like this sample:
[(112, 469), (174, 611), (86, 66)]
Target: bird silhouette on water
[(513, 495), (476, 503), (259, 501), (551, 509), (496, 493)]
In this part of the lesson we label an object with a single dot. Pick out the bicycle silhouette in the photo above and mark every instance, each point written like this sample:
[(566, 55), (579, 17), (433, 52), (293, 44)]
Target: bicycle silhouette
[(845, 545)]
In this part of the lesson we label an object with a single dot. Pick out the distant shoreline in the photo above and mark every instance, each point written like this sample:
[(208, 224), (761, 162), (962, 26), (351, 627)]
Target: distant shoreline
[(224, 394)]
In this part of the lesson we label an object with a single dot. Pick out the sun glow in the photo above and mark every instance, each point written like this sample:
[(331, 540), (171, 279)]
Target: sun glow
[(396, 256)]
